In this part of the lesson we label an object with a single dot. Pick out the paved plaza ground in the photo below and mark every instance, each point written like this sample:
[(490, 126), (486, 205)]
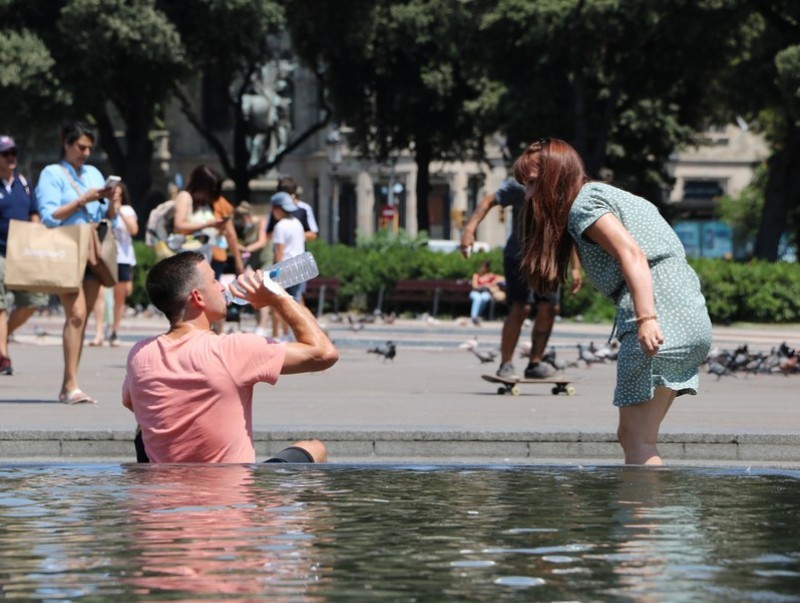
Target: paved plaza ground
[(428, 405)]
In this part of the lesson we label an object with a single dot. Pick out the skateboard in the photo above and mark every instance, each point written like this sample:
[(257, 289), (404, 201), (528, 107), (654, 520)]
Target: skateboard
[(560, 385)]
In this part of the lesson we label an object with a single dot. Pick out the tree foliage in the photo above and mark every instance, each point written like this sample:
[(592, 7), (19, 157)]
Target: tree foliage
[(401, 74), (625, 82)]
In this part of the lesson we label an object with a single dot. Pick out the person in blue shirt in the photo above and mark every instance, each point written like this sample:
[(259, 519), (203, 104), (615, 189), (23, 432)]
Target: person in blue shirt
[(71, 192), (16, 203)]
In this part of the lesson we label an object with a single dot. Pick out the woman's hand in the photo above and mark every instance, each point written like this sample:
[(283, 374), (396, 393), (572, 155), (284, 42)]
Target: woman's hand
[(650, 337), (218, 224)]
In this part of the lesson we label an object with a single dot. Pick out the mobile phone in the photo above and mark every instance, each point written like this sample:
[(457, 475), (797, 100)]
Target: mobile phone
[(112, 181)]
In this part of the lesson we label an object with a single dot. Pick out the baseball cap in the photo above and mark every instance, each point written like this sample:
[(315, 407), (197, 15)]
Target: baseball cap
[(6, 143), (284, 201)]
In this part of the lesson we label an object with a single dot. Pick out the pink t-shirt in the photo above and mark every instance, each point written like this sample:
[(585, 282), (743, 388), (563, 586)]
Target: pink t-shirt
[(193, 396)]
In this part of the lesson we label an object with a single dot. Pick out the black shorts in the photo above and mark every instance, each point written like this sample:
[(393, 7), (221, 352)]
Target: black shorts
[(124, 273), (292, 454), (517, 287)]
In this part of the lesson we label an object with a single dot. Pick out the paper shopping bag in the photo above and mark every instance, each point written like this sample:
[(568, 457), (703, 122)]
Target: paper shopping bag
[(103, 253), (46, 260)]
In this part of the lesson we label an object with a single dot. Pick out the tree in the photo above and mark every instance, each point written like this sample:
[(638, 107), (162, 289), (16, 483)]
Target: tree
[(31, 97), (743, 212), (108, 60), (625, 82), (120, 57), (401, 74), (246, 67)]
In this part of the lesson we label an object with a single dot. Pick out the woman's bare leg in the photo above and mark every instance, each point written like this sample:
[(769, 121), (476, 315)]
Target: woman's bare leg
[(639, 425), (76, 307), (99, 311)]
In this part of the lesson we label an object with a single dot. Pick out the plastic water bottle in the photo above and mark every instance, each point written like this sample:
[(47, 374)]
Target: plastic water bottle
[(287, 273)]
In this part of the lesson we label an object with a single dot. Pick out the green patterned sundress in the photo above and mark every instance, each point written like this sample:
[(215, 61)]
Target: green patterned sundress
[(679, 302)]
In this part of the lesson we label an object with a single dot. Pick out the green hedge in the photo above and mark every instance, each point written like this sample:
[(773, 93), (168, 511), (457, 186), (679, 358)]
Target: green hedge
[(753, 292)]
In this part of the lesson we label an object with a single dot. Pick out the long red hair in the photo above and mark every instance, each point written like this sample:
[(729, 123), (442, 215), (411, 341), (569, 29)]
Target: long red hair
[(546, 244)]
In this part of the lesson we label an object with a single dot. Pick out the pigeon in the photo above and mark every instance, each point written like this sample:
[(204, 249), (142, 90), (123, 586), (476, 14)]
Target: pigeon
[(355, 325), (484, 356), (558, 364), (469, 344), (387, 350), (585, 354), (718, 369)]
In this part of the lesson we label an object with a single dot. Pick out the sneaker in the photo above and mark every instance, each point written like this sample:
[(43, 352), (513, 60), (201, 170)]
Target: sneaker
[(539, 370), (5, 366), (506, 371), (476, 322)]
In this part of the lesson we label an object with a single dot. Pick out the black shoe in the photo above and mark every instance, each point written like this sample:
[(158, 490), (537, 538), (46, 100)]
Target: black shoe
[(5, 366), (539, 370)]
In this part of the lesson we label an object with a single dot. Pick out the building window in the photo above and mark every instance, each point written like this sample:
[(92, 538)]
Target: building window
[(702, 189)]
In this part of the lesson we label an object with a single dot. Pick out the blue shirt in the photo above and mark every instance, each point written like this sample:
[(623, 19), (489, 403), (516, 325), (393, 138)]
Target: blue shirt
[(55, 189), (15, 204)]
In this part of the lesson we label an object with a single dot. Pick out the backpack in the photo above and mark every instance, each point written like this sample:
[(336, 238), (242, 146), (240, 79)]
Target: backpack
[(161, 223)]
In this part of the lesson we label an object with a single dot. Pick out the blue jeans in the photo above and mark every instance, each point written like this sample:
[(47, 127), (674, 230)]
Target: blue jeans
[(479, 301)]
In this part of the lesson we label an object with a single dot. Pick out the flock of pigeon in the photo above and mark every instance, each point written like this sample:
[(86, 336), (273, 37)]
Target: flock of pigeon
[(587, 354), (782, 360)]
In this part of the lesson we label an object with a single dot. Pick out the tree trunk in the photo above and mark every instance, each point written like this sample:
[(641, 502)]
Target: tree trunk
[(783, 191), (137, 170), (133, 164), (240, 173), (423, 161)]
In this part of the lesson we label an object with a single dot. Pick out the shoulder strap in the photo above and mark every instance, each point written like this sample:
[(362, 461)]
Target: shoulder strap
[(77, 190)]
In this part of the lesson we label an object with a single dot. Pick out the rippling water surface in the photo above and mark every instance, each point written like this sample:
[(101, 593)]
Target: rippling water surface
[(153, 533)]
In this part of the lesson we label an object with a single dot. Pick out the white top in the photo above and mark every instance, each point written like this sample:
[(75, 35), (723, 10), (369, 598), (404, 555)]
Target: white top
[(289, 231), (312, 221), (125, 252)]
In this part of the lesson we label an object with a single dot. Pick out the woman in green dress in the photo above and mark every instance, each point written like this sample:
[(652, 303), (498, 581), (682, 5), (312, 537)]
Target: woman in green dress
[(632, 256)]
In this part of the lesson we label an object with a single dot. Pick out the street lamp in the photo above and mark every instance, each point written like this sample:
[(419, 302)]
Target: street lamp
[(334, 144)]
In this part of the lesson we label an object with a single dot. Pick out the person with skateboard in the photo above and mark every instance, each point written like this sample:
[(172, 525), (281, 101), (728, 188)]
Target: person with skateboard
[(519, 296), (634, 257)]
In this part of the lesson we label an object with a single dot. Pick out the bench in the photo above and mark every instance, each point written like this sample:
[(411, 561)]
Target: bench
[(319, 288), (434, 292)]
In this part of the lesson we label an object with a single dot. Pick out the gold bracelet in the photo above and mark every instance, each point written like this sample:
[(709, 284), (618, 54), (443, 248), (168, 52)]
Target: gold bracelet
[(643, 319)]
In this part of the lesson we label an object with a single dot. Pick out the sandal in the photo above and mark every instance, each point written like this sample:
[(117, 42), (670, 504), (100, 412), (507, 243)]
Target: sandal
[(96, 344), (76, 396)]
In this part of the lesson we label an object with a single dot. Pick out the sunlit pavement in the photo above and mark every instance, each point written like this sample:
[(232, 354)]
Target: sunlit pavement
[(427, 405)]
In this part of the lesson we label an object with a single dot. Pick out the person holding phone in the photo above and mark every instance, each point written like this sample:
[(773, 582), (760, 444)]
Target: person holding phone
[(72, 192)]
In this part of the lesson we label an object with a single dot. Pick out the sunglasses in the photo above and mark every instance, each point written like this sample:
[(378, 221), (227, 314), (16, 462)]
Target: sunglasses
[(542, 141), (9, 153)]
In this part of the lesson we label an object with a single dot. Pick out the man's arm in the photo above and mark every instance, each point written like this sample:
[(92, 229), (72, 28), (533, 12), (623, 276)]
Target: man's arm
[(313, 350), (468, 236)]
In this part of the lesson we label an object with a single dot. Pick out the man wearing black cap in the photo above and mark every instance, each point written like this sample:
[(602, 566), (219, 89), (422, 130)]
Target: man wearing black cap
[(16, 203)]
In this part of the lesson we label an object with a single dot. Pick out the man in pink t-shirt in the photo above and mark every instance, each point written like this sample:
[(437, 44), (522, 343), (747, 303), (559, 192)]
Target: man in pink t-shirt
[(191, 390)]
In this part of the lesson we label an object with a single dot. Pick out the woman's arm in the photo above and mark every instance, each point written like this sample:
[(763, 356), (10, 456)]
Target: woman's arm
[(612, 236), (130, 220), (183, 209), (261, 241), (278, 252), (233, 246), (576, 272), (475, 281), (50, 196)]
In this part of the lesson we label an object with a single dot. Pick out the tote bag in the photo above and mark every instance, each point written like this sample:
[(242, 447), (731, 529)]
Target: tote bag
[(103, 253), (46, 260)]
